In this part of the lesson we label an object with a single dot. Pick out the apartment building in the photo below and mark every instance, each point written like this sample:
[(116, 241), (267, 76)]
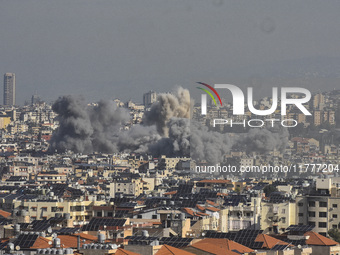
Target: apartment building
[(277, 216), (321, 209), (79, 211)]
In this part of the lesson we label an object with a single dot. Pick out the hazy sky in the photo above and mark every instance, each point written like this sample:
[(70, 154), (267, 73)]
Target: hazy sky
[(123, 48)]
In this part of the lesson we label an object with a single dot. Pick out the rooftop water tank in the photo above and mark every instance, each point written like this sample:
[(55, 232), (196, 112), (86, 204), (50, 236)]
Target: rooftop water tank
[(145, 233), (101, 238), (56, 243)]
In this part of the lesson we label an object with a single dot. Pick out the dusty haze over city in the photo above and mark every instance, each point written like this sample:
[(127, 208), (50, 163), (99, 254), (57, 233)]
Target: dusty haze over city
[(107, 49)]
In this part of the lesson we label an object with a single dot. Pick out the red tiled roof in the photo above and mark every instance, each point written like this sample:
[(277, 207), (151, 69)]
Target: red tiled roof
[(202, 214), (41, 243), (169, 250), (221, 246), (268, 241), (200, 208), (87, 236), (189, 211), (171, 192), (317, 239), (193, 213), (212, 203), (71, 240), (5, 214), (212, 209)]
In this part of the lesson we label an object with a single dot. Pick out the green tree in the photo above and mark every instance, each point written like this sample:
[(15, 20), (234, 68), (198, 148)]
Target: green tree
[(269, 189), (335, 234)]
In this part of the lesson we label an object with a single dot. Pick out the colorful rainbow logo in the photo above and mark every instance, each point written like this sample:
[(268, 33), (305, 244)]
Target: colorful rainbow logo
[(209, 93)]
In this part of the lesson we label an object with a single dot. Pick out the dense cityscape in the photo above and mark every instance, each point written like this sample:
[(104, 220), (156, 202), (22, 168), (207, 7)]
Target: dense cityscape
[(118, 177)]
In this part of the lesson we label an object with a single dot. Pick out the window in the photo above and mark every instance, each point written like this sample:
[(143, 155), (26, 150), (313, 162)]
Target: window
[(77, 208), (335, 206), (300, 204), (99, 214), (283, 219), (322, 214), (283, 211), (334, 216), (322, 224), (154, 216), (312, 223), (139, 216), (323, 204), (311, 203), (311, 214), (300, 214), (334, 226), (57, 209)]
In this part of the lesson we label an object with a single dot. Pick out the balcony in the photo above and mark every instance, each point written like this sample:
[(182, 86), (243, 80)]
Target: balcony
[(241, 208)]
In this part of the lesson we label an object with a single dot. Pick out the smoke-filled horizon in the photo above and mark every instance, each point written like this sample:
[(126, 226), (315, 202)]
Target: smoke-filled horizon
[(167, 129)]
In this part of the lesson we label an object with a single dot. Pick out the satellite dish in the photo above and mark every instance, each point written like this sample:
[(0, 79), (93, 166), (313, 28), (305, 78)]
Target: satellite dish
[(49, 242), (17, 248), (54, 235), (49, 230), (299, 246)]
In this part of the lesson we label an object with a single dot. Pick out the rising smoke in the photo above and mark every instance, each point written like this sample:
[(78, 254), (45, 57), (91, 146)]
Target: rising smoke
[(83, 129), (264, 140), (166, 130), (176, 105), (75, 128)]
